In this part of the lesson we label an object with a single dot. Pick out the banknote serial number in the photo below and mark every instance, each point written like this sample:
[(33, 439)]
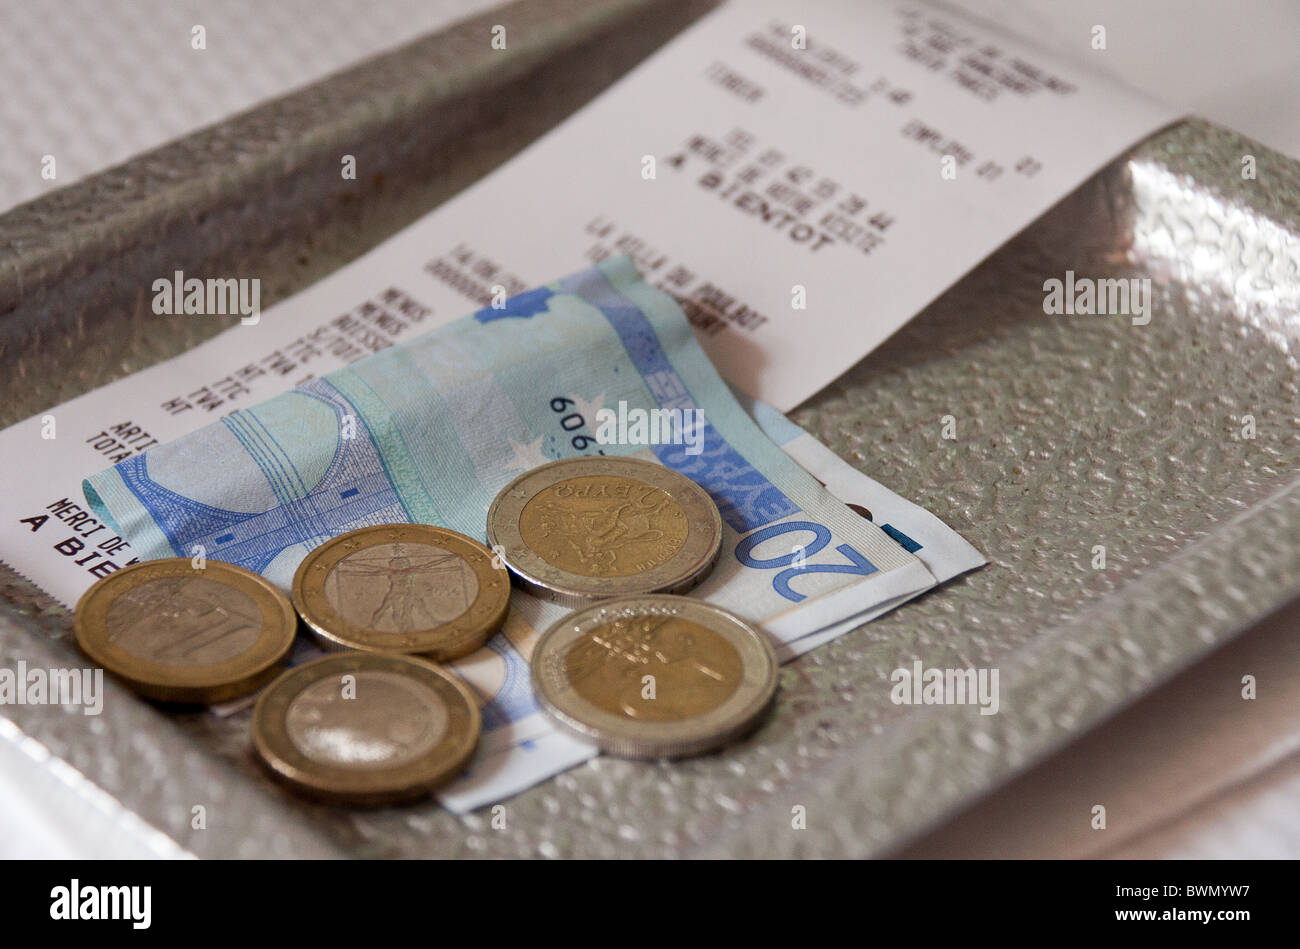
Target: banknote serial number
[(574, 424)]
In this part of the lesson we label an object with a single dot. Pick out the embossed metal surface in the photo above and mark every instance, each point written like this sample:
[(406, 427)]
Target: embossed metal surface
[(1073, 432)]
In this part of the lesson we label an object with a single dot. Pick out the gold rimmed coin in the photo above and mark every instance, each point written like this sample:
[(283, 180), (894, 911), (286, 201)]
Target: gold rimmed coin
[(407, 588), (366, 728), (654, 676), (582, 529), (177, 633)]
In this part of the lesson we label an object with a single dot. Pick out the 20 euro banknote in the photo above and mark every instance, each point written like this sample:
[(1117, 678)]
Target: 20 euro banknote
[(430, 432)]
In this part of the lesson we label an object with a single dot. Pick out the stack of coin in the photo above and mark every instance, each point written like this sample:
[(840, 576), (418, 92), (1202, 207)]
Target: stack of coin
[(587, 528), (368, 727), (637, 671)]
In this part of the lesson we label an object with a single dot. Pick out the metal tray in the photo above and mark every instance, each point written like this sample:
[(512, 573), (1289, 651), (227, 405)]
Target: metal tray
[(1072, 432)]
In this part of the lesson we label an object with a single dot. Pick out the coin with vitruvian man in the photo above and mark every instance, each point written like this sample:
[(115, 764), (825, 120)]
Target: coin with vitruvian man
[(409, 588), (654, 676), (175, 632)]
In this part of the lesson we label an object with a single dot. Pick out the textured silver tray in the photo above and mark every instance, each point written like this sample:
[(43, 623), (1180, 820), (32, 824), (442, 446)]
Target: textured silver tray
[(1072, 432)]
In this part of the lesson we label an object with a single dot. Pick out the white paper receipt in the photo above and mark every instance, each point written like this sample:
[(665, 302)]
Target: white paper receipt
[(802, 187), (805, 187)]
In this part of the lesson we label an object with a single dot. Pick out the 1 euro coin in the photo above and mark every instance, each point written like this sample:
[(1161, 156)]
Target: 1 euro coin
[(177, 633), (405, 588), (366, 728)]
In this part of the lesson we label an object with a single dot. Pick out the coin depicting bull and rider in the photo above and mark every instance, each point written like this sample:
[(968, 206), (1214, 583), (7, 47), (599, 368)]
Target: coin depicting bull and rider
[(582, 529)]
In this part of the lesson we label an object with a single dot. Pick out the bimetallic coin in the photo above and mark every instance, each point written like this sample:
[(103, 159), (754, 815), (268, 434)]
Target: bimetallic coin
[(407, 588), (366, 728), (654, 676), (179, 634), (586, 528)]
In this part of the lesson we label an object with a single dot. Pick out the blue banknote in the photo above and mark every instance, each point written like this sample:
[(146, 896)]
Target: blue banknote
[(429, 432)]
